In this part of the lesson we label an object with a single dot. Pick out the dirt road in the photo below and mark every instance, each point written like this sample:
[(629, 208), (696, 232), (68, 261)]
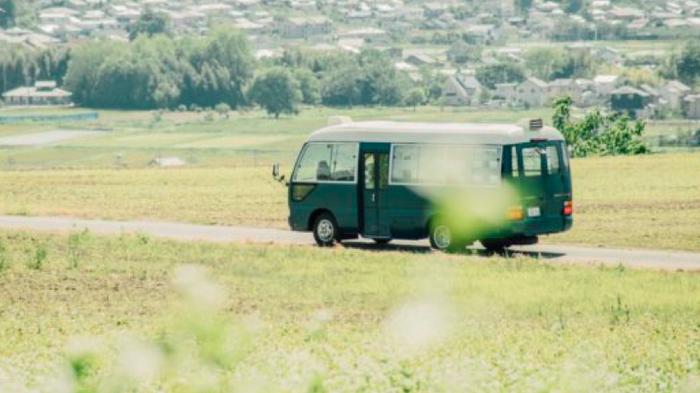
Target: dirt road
[(650, 259)]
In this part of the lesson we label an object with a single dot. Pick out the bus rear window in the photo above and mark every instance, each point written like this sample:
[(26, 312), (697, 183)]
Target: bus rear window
[(552, 159), (532, 162)]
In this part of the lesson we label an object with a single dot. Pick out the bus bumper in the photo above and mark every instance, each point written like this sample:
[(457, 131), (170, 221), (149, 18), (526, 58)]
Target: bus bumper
[(536, 227)]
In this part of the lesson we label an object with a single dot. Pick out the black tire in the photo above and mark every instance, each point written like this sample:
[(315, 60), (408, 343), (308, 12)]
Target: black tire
[(443, 238), (382, 242), (326, 231), (495, 246)]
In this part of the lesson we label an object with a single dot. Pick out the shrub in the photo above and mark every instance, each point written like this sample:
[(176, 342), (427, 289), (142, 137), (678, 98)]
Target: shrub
[(599, 133)]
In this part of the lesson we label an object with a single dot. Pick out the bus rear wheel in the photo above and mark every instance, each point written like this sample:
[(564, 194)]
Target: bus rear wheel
[(382, 242), (326, 232), (443, 238)]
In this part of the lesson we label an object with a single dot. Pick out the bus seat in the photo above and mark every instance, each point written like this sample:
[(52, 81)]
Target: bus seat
[(323, 172)]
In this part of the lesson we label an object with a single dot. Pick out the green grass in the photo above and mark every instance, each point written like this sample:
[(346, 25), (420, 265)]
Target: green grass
[(354, 320), (137, 139), (640, 202)]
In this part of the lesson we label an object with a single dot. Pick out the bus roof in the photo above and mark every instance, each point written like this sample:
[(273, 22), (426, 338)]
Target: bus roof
[(461, 133)]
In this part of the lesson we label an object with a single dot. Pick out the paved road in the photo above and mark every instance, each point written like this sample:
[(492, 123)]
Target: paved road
[(658, 260), (44, 138)]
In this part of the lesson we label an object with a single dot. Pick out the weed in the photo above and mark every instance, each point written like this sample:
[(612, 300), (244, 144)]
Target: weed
[(75, 247), (620, 312), (4, 259), (38, 257)]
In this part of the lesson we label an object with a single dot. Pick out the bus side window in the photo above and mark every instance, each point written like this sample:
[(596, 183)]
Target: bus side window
[(514, 165), (369, 171), (552, 159), (532, 163), (383, 171)]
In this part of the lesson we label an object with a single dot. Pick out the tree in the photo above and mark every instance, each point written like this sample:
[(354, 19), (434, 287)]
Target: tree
[(219, 66), (7, 13), (556, 63), (492, 74), (149, 23), (84, 67), (686, 66), (415, 97), (572, 6), (341, 87), (598, 133), (461, 53), (523, 6), (309, 86), (277, 91)]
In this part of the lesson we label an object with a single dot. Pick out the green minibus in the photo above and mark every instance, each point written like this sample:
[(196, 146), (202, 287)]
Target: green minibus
[(454, 184)]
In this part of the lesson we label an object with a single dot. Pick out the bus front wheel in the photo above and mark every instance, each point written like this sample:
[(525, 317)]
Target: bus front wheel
[(326, 232)]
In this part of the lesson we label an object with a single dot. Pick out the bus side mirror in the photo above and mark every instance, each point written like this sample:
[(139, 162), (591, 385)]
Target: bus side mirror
[(276, 174)]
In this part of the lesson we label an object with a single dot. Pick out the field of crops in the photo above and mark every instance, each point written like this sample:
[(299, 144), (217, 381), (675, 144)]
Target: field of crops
[(648, 202), (134, 312)]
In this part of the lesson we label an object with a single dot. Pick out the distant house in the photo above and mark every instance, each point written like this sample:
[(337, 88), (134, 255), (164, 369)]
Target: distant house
[(673, 94), (606, 84), (630, 101), (692, 106), (561, 88), (461, 90), (654, 95), (367, 34), (608, 55), (506, 92), (481, 34), (43, 93), (420, 60), (306, 27), (532, 93)]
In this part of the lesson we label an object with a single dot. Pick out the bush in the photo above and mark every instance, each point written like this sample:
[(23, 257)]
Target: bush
[(223, 109), (599, 133)]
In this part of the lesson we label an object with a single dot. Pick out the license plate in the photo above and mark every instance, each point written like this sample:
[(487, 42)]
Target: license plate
[(533, 212)]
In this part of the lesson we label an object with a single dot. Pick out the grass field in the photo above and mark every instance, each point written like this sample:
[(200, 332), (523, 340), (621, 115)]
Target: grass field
[(302, 319), (647, 201), (135, 138)]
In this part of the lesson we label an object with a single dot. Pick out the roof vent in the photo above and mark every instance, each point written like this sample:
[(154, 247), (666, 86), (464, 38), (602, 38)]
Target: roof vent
[(337, 120), (536, 124)]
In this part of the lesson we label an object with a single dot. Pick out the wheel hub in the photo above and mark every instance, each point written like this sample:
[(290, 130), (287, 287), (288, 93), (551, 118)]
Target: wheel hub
[(325, 230), (443, 237)]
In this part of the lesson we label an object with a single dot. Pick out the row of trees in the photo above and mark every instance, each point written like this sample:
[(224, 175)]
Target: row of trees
[(21, 66), (161, 72)]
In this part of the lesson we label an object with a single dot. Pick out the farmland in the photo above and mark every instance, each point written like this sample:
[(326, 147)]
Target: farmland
[(650, 201), (340, 318), (643, 202)]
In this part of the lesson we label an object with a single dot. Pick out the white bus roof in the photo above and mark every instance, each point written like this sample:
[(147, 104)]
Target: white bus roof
[(449, 133)]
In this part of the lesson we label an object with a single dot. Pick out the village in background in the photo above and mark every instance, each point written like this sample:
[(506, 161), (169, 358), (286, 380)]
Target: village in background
[(517, 54)]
